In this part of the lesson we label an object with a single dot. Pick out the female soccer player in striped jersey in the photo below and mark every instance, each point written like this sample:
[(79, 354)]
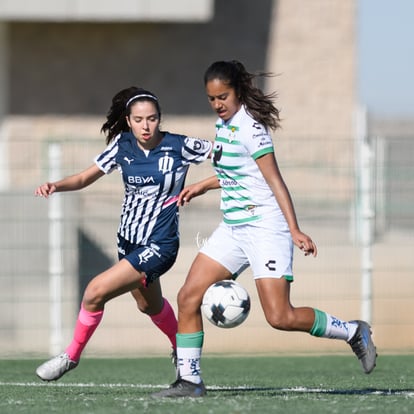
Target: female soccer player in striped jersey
[(259, 229), (153, 165)]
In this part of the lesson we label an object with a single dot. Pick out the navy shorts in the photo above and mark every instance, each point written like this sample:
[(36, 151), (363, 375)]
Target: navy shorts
[(154, 259)]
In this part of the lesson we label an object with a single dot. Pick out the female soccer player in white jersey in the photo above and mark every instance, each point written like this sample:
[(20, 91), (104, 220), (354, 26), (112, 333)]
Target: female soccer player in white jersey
[(153, 165), (259, 229)]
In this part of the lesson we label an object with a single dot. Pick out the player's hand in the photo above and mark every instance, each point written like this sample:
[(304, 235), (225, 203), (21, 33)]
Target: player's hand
[(189, 192), (305, 243), (45, 190)]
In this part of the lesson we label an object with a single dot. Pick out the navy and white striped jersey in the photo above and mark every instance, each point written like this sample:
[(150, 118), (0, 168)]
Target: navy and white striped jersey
[(153, 179)]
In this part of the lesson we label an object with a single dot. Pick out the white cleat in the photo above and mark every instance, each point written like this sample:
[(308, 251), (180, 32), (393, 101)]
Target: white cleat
[(56, 367)]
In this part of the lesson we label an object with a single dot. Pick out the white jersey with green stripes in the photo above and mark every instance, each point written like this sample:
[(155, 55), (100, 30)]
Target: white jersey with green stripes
[(245, 195)]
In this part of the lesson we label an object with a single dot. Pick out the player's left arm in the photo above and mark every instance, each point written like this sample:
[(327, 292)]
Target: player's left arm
[(270, 170), (197, 189)]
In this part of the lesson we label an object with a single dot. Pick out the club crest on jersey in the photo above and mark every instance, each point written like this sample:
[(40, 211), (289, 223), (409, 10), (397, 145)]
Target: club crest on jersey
[(165, 163), (232, 133)]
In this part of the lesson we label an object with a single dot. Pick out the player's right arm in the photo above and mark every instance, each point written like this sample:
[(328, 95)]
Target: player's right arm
[(70, 183)]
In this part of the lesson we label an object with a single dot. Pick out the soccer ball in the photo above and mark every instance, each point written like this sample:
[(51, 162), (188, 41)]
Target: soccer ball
[(226, 304)]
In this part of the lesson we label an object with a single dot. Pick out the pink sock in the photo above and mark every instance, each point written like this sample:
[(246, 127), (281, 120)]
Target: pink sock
[(166, 322), (85, 326)]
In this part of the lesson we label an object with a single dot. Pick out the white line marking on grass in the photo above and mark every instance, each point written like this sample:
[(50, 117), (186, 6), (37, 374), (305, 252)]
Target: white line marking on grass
[(80, 385), (299, 390), (305, 390)]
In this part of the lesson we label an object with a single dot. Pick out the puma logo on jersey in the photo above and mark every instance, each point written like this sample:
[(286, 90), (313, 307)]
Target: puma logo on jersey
[(128, 160)]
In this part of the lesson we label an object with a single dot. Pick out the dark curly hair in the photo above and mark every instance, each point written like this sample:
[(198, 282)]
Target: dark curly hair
[(258, 104)]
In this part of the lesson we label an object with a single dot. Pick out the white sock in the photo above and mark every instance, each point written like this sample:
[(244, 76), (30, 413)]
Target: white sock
[(189, 364), (337, 329)]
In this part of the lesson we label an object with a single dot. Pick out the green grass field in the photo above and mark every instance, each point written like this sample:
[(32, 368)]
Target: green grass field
[(309, 384)]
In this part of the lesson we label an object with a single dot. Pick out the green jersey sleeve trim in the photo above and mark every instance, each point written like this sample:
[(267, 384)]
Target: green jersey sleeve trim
[(262, 152)]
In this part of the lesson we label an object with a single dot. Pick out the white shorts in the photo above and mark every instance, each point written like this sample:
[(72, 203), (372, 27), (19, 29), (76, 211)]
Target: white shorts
[(267, 248)]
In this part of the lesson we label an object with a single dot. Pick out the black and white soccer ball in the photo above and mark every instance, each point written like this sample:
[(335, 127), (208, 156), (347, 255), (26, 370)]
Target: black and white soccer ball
[(226, 304)]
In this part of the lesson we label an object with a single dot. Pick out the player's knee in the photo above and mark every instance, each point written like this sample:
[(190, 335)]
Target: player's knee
[(150, 308), (279, 321), (93, 296), (182, 297), (144, 308), (187, 300)]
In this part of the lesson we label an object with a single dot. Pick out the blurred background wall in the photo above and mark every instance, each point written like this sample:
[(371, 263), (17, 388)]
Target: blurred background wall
[(350, 173)]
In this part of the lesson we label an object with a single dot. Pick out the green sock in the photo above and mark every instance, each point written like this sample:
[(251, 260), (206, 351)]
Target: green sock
[(191, 340), (319, 325)]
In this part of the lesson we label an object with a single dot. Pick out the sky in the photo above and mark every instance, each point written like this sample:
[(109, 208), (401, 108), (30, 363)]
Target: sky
[(386, 57)]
